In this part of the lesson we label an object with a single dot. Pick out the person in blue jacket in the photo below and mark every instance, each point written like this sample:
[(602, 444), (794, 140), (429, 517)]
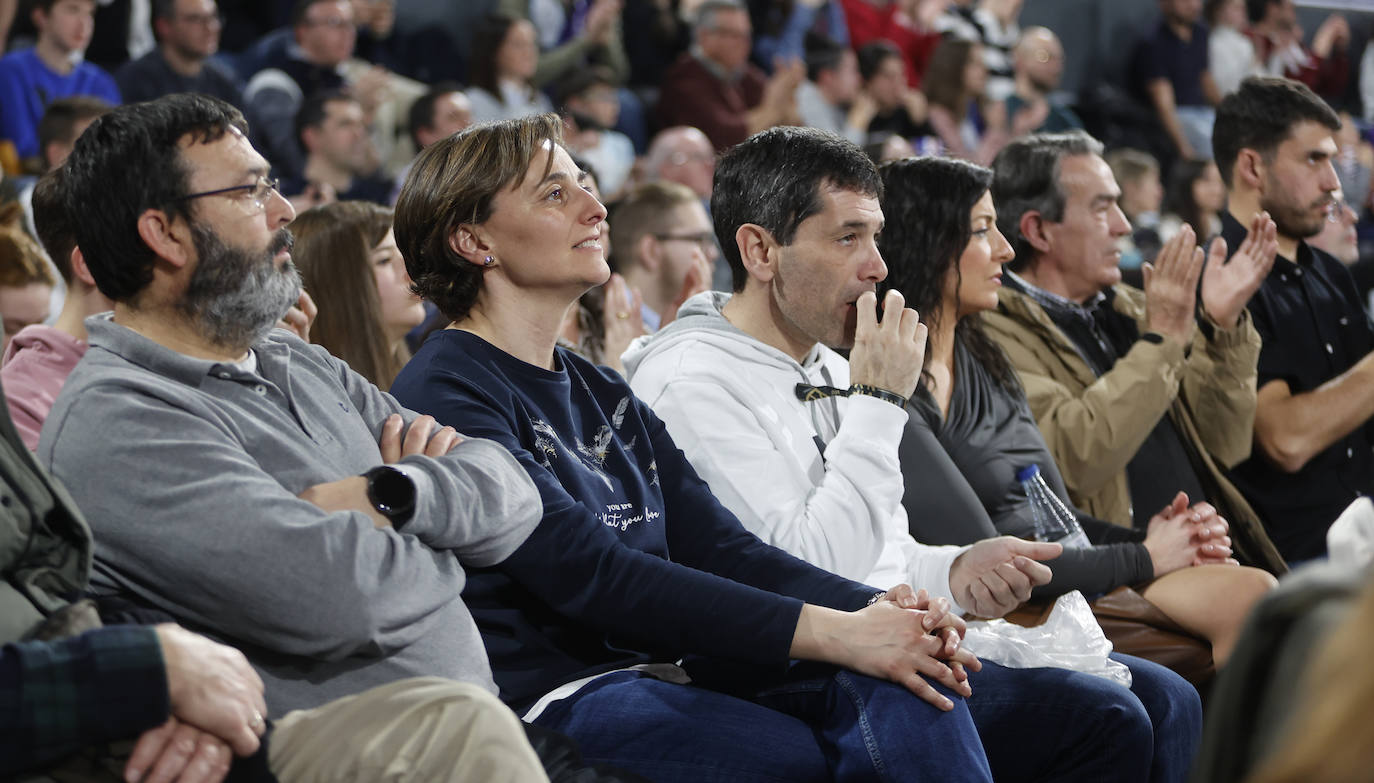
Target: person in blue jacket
[(53, 68), (639, 616)]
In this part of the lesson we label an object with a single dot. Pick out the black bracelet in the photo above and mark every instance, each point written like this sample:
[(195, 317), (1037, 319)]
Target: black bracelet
[(882, 394)]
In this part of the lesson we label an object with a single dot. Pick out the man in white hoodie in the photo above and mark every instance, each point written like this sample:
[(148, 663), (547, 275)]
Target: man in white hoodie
[(746, 386), (825, 489)]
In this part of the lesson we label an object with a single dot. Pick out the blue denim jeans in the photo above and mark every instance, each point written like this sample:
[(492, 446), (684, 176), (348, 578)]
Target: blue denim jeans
[(826, 724), (1055, 724), (843, 727)]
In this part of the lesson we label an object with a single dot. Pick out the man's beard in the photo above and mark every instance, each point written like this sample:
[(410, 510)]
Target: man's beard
[(1293, 222), (236, 296), (189, 53)]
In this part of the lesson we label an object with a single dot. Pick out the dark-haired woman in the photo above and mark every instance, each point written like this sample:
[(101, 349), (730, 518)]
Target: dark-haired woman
[(1195, 197), (968, 124), (887, 106), (505, 54), (945, 253), (954, 86)]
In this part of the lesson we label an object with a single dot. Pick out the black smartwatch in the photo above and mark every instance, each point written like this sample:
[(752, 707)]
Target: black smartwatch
[(392, 493)]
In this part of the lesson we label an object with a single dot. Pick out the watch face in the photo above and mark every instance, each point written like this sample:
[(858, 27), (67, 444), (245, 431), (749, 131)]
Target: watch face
[(392, 492)]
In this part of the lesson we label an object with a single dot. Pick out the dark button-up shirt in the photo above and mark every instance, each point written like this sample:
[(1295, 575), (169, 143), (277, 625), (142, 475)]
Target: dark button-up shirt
[(1161, 54), (1308, 314)]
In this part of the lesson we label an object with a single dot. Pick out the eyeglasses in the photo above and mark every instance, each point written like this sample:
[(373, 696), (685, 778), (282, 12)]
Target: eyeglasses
[(204, 20), (705, 241), (258, 193), (1336, 212), (333, 22), (730, 32)]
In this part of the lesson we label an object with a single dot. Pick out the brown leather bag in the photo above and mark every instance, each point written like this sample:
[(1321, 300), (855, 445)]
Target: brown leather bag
[(1137, 627)]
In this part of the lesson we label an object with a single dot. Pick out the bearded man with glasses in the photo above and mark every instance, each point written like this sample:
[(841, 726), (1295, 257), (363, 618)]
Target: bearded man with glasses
[(248, 484)]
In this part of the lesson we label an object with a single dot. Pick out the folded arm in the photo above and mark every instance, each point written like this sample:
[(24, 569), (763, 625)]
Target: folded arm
[(581, 569), (263, 565), (1291, 429)]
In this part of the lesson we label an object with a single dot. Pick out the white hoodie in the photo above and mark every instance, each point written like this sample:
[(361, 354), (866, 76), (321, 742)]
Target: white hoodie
[(729, 401)]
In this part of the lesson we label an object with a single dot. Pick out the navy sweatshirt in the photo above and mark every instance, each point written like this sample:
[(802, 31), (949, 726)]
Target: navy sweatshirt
[(634, 560)]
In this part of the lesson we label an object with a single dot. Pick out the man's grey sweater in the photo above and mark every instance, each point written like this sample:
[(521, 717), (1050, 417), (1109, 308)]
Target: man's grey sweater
[(188, 471)]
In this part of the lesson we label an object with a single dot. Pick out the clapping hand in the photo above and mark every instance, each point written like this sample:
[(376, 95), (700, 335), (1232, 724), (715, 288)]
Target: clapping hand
[(1228, 285), (1171, 287)]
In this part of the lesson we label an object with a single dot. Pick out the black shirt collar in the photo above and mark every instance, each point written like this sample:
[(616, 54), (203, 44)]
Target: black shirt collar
[(1234, 234)]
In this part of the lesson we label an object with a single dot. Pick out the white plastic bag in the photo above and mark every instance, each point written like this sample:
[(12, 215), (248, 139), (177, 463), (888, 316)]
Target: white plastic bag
[(1350, 540), (1069, 639)]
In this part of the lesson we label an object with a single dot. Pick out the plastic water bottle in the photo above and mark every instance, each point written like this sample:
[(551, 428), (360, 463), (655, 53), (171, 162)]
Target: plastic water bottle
[(1053, 520)]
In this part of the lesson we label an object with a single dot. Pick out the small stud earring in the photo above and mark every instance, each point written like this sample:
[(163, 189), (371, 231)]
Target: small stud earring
[(488, 261)]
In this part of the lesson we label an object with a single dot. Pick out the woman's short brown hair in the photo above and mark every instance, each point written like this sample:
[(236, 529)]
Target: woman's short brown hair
[(454, 183)]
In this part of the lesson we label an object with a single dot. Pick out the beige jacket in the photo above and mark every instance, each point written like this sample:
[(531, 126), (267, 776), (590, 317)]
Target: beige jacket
[(1094, 425)]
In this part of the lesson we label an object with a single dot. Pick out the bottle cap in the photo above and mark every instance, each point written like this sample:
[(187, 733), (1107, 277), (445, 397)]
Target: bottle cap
[(1027, 473)]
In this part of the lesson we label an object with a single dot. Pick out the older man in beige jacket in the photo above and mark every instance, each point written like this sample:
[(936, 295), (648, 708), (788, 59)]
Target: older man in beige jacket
[(1140, 394)]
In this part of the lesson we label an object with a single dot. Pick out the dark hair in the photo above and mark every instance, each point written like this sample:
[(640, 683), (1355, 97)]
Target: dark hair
[(302, 7), (453, 183), (1261, 115), (1256, 9), (873, 54), (60, 118), (1026, 178), (944, 77), (333, 251), (774, 178), (127, 162), (42, 5), (582, 80), (315, 109), (876, 146), (422, 110), (1210, 10), (928, 203), (1179, 200), (52, 223), (822, 54), (487, 38)]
